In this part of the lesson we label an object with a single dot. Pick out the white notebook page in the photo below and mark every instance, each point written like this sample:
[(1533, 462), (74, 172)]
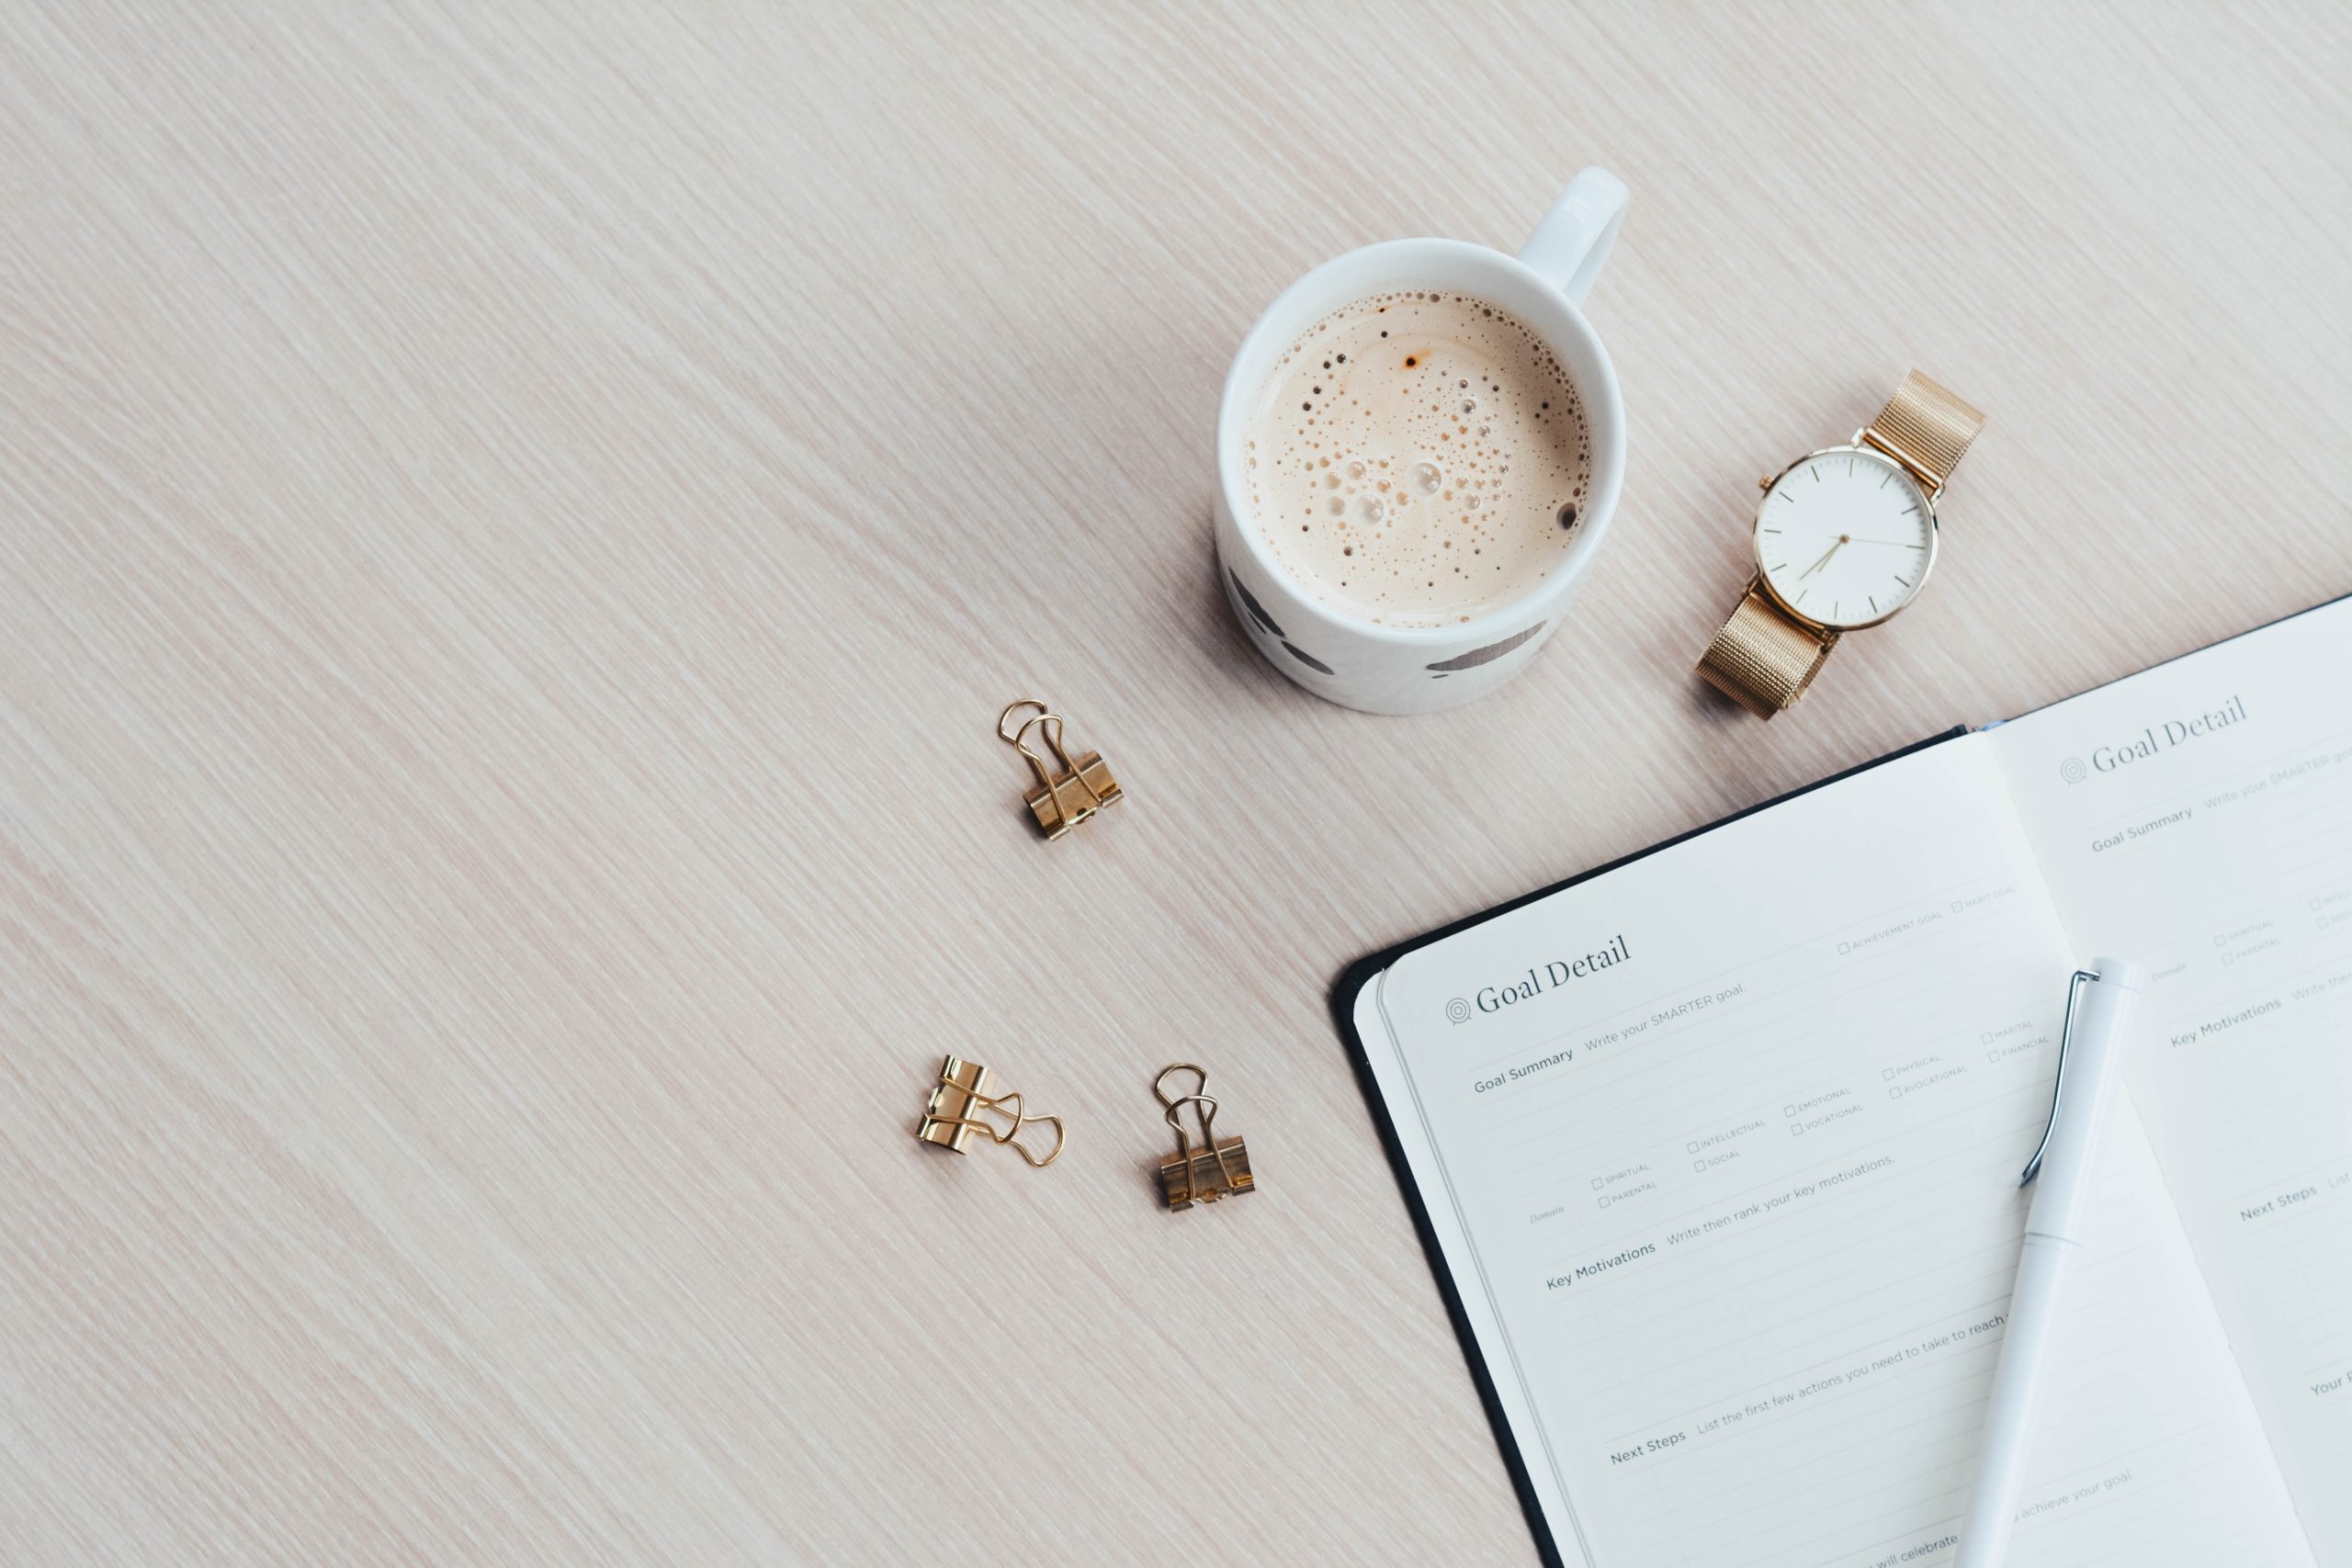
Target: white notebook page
[(1723, 1147), (2198, 817)]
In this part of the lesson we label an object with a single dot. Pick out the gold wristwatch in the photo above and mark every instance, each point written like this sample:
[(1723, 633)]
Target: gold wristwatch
[(1845, 538)]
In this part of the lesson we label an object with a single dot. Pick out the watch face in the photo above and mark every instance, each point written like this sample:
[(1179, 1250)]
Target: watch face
[(1845, 538)]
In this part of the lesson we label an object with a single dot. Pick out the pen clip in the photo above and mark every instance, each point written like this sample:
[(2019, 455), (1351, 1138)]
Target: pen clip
[(2058, 1084)]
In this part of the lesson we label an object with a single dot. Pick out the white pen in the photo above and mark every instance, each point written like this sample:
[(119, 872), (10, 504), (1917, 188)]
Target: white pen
[(2091, 1048)]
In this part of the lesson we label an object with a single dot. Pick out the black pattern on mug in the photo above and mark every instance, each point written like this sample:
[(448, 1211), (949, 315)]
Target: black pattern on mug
[(1308, 659), (1257, 612), (1486, 655)]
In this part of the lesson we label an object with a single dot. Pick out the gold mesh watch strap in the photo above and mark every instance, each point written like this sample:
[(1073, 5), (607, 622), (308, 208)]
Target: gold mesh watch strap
[(1926, 429), (1762, 658)]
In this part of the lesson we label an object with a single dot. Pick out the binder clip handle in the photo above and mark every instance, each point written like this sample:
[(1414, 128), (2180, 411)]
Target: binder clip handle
[(1159, 1086), (1011, 1106), (1005, 719), (1203, 1106)]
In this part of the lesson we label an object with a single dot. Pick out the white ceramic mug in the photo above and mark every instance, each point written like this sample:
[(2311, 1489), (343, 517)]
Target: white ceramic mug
[(1384, 669)]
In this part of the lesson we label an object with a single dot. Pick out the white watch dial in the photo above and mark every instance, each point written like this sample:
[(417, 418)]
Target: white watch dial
[(1845, 538)]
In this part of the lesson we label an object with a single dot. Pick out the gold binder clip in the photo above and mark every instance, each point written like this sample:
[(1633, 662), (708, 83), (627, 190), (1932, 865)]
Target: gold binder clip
[(1084, 786), (962, 1101), (1220, 1166)]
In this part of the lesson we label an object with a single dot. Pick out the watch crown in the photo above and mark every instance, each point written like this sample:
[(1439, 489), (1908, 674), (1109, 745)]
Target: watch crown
[(1765, 483)]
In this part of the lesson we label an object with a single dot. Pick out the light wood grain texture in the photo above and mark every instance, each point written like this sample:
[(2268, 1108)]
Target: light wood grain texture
[(515, 523)]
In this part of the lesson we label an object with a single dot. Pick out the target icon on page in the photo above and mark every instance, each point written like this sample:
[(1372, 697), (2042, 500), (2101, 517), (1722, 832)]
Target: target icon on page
[(1458, 1009), (2072, 769)]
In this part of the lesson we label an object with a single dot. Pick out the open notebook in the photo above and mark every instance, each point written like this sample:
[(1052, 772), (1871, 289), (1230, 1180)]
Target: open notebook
[(1716, 1149)]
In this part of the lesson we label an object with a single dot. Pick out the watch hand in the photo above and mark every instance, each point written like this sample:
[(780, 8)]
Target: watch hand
[(1898, 544), (1825, 559)]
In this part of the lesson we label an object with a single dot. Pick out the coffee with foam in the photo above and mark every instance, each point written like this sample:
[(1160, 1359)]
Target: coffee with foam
[(1417, 459)]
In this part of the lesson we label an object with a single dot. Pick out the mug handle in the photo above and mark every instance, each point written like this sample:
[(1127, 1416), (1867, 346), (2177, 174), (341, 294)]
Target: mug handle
[(1570, 245)]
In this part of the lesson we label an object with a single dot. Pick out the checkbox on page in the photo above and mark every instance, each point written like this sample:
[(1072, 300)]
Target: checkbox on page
[(1985, 1038), (1796, 1129), (1886, 1072), (1698, 1165), (1992, 1056), (1694, 1145), (1596, 1184), (1604, 1200), (1843, 947), (1894, 1094), (1788, 1110)]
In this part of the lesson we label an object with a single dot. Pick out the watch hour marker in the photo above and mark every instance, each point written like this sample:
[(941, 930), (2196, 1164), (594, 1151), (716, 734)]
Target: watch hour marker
[(1873, 599)]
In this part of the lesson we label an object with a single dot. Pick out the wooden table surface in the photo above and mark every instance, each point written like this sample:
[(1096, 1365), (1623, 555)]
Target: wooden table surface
[(515, 523)]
